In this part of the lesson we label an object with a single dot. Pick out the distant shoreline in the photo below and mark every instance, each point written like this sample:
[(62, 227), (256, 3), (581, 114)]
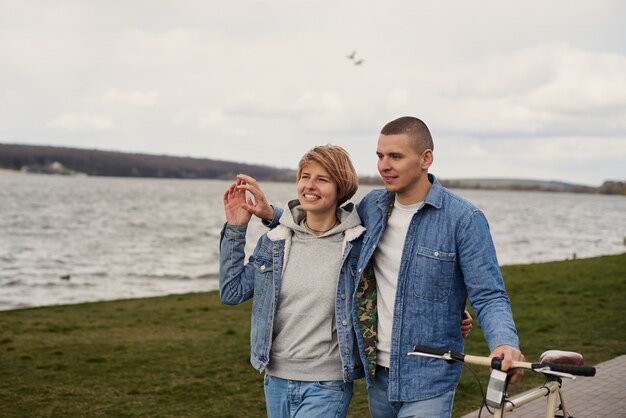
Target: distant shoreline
[(36, 159), (519, 185), (8, 171)]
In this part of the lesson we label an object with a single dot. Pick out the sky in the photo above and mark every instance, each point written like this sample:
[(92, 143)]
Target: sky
[(532, 89)]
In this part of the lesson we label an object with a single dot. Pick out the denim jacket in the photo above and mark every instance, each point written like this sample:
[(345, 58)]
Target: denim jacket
[(261, 278), (448, 255)]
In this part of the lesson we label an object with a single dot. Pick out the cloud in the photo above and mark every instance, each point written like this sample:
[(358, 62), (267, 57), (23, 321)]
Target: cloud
[(319, 102), (397, 98), (210, 120), (176, 80), (575, 159), (139, 98), (320, 110), (250, 104), (81, 122), (550, 89)]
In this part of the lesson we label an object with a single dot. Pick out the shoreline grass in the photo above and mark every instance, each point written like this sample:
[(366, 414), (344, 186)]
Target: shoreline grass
[(187, 355)]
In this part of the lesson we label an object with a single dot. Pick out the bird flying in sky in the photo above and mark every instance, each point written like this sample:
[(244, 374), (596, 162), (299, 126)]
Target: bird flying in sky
[(352, 57)]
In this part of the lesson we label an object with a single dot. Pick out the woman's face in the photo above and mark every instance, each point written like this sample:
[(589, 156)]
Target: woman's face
[(317, 190)]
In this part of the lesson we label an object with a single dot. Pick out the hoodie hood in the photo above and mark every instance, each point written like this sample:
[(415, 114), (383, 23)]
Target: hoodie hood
[(293, 218)]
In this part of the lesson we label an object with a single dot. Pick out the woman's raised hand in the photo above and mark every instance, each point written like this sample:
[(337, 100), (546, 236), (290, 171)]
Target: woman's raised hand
[(259, 206), (234, 201)]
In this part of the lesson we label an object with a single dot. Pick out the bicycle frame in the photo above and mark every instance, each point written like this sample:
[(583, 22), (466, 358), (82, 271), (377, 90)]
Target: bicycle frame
[(563, 366), (551, 389)]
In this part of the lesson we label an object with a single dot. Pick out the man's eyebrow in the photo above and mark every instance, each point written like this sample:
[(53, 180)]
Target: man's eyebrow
[(392, 153)]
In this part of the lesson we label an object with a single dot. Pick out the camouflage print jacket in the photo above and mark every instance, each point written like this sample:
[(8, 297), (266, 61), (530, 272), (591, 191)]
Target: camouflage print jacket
[(367, 318)]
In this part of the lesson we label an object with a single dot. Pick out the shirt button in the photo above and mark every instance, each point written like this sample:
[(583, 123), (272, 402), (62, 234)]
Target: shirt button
[(263, 267), (436, 254), (344, 322), (343, 296)]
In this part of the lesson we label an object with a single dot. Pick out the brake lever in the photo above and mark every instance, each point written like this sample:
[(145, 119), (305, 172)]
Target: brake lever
[(548, 370), (446, 356)]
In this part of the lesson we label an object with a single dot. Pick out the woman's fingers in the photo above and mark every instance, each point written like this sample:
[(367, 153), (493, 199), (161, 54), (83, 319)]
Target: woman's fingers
[(229, 193)]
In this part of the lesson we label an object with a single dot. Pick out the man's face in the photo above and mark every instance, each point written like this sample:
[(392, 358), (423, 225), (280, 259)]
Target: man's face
[(399, 164)]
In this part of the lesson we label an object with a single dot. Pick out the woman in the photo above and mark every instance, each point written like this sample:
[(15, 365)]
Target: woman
[(301, 277)]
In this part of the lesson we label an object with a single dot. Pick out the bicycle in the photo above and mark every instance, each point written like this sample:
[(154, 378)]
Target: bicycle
[(554, 364)]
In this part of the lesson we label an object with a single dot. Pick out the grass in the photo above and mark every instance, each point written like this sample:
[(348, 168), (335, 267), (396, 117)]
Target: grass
[(187, 355)]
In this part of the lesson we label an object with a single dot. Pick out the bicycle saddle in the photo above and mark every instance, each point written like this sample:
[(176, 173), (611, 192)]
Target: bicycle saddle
[(561, 357)]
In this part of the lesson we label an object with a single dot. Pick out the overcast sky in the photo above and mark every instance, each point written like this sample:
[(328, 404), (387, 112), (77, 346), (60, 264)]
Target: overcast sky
[(525, 89)]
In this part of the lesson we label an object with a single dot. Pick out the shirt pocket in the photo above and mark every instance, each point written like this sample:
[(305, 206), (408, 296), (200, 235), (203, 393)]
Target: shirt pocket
[(434, 274), (263, 269)]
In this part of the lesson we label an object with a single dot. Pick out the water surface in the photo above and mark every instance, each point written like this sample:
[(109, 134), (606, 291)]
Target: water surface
[(78, 239)]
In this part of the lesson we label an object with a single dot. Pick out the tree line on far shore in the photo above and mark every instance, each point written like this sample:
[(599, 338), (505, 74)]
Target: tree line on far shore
[(61, 160), (78, 161)]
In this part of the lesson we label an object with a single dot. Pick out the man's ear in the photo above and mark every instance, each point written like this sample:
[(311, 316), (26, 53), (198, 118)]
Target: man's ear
[(426, 160)]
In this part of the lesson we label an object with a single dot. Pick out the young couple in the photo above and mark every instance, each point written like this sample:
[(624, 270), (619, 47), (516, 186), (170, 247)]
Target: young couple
[(342, 292)]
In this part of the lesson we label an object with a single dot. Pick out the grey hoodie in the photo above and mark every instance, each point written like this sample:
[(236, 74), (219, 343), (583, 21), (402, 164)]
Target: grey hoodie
[(305, 343)]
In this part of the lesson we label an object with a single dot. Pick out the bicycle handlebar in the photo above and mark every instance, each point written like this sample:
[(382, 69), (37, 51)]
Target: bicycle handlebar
[(496, 362), (568, 368)]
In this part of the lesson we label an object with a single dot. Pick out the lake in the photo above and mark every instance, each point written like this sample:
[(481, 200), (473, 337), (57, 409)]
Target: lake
[(81, 239)]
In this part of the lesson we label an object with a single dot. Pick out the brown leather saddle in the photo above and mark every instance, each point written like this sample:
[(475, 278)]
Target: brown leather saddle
[(561, 357)]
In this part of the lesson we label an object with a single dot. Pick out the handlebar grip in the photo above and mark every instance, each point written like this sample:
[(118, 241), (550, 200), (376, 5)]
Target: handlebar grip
[(572, 369)]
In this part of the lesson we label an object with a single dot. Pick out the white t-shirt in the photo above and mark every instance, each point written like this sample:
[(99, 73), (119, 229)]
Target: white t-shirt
[(387, 258)]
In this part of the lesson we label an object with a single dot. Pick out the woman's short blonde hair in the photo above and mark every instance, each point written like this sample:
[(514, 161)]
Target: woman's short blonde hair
[(337, 162)]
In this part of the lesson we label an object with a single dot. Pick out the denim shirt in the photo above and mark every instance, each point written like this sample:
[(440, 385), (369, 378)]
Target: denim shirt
[(261, 278), (448, 255)]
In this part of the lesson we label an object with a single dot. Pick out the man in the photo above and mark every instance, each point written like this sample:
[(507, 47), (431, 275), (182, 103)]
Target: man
[(425, 251)]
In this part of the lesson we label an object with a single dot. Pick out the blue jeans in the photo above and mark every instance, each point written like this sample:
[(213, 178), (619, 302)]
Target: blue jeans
[(380, 407), (299, 399)]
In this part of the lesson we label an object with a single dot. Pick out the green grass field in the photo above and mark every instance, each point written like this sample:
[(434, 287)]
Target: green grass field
[(187, 355)]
